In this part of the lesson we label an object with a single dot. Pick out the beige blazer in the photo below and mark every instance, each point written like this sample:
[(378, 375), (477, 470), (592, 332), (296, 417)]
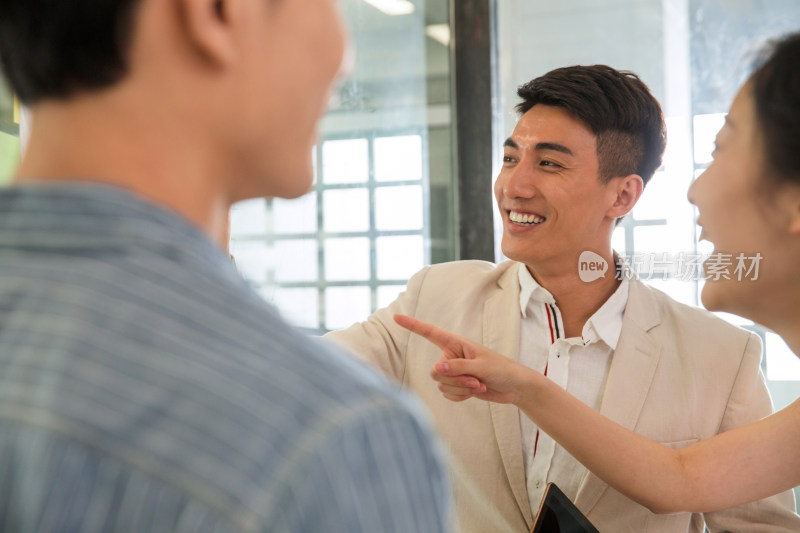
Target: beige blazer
[(678, 375)]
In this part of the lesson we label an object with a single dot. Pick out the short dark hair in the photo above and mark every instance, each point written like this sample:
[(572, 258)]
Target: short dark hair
[(616, 105), (53, 49), (776, 94)]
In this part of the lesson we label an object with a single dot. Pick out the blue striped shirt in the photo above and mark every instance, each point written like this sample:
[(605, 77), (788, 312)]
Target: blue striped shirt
[(145, 387)]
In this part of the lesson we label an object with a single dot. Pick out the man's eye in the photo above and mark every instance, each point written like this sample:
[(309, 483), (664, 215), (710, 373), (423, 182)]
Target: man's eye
[(546, 163), (508, 159)]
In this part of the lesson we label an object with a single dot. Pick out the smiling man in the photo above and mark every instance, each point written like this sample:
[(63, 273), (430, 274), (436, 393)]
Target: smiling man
[(587, 141)]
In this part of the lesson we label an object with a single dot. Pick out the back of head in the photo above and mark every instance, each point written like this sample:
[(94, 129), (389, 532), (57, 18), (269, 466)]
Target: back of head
[(55, 48), (776, 93), (616, 105)]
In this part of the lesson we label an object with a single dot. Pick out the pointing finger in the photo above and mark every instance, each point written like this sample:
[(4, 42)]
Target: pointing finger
[(451, 344)]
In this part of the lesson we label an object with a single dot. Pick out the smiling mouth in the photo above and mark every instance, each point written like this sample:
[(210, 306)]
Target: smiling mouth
[(525, 219)]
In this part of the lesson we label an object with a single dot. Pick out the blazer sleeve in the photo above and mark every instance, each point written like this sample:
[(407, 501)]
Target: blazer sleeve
[(750, 401), (379, 340)]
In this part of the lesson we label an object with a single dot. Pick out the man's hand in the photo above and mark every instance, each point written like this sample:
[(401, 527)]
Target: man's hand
[(467, 369)]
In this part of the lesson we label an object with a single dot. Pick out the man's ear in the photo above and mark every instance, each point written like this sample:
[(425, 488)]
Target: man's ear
[(208, 28), (627, 189)]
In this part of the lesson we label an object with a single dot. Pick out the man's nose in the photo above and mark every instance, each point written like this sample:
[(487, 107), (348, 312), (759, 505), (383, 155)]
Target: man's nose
[(519, 183)]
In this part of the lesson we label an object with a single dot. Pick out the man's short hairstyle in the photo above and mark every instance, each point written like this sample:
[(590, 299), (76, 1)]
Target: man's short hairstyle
[(616, 105), (53, 49)]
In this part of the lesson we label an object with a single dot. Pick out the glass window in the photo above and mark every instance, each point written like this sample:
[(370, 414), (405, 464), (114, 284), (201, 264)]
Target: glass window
[(398, 158), (345, 161), (382, 201)]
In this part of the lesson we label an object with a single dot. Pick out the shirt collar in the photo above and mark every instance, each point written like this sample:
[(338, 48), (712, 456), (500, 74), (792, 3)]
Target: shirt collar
[(529, 289), (97, 219), (605, 324)]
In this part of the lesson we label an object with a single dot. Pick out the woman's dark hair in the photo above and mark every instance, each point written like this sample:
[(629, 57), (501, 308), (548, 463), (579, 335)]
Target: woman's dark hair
[(616, 105), (776, 93), (54, 48)]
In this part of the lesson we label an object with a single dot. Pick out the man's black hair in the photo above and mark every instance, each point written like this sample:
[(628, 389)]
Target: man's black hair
[(55, 48), (616, 105)]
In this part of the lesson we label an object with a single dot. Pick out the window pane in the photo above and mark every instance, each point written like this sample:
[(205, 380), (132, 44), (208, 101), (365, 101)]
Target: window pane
[(706, 128), (782, 363), (399, 257), (659, 198), (389, 293), (658, 240), (618, 240), (252, 259), (295, 216), (347, 259), (345, 306), (734, 319), (250, 217), (398, 158), (345, 161), (398, 208), (296, 261), (682, 291), (346, 210), (299, 306)]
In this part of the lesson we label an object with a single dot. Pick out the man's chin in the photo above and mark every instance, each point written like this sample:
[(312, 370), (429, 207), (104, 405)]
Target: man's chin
[(288, 183), (515, 252)]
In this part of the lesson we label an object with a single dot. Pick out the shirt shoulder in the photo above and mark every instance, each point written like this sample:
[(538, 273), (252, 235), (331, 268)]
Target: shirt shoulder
[(185, 375), (474, 272)]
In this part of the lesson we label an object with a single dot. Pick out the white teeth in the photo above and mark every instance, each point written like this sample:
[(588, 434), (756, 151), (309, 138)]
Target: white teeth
[(520, 218)]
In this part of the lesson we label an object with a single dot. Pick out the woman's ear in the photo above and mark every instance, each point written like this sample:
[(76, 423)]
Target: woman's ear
[(209, 28), (627, 190)]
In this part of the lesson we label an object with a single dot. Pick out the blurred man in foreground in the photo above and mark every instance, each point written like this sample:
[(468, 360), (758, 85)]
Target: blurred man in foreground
[(144, 387)]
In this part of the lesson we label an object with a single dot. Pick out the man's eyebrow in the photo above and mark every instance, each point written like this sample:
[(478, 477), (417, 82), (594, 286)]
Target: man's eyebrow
[(554, 147), (511, 143)]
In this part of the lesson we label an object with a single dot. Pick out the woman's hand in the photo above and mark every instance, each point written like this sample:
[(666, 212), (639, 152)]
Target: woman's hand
[(467, 369)]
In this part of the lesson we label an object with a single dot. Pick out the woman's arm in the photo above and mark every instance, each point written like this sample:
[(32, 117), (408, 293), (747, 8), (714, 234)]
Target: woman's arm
[(735, 467)]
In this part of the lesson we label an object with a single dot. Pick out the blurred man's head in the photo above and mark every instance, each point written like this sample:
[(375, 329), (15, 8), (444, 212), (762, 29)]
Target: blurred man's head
[(250, 77)]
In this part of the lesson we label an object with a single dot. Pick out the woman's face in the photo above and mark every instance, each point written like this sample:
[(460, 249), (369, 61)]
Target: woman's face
[(748, 216)]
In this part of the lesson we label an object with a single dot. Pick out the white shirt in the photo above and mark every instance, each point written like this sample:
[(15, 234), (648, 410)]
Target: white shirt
[(579, 365)]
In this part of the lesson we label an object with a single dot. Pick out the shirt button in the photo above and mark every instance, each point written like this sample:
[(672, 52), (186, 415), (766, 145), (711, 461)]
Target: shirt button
[(538, 483)]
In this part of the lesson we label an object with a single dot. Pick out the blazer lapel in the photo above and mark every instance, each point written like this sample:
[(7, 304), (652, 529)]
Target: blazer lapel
[(501, 330), (633, 367)]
